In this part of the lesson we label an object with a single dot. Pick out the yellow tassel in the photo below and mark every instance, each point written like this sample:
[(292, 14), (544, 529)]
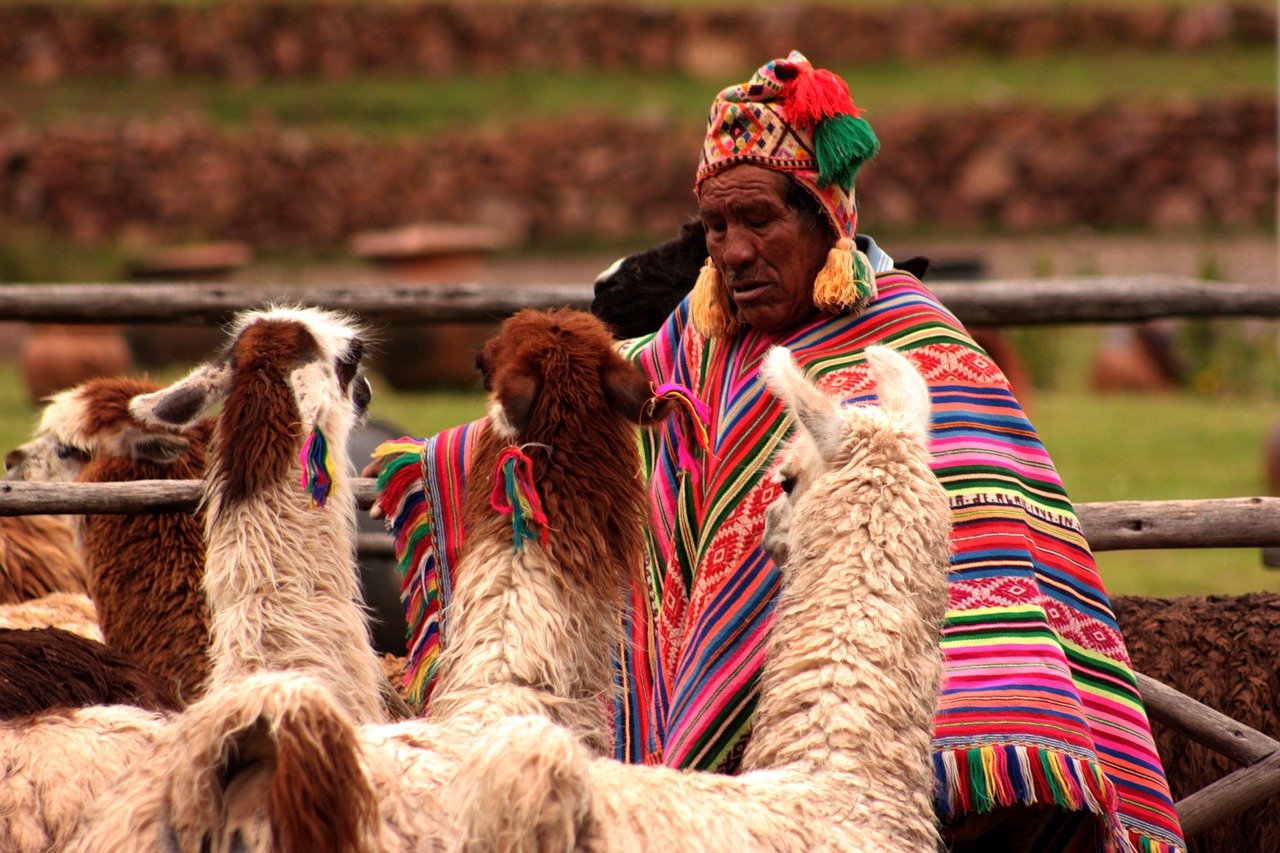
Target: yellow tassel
[(709, 304), (846, 282)]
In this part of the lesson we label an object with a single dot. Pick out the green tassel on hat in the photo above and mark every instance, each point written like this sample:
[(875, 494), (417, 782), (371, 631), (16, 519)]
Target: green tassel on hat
[(842, 144)]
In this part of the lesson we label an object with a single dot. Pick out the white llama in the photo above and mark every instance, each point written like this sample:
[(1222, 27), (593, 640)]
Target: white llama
[(280, 572), (839, 757)]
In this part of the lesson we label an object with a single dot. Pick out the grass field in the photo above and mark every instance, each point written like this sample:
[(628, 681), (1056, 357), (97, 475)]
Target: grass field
[(403, 106)]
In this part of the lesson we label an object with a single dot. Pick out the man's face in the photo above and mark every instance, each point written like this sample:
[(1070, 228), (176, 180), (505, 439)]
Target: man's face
[(765, 250)]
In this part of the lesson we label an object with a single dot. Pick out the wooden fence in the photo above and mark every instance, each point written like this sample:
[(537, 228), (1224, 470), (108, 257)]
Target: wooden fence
[(1226, 522)]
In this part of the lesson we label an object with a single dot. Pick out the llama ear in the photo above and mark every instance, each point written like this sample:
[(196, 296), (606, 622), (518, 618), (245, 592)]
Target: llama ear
[(516, 393), (158, 447), (182, 403), (900, 387), (815, 412), (630, 393)]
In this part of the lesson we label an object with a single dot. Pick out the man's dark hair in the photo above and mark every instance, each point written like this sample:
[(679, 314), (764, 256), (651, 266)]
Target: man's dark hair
[(803, 203)]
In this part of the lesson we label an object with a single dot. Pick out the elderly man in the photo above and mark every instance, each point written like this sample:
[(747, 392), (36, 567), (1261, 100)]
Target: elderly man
[(1041, 741)]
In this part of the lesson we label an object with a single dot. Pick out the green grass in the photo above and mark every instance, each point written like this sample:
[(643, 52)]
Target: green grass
[(393, 106)]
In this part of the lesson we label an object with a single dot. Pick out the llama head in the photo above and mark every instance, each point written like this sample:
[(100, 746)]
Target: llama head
[(547, 369), (92, 421), (286, 373), (829, 435), (637, 293)]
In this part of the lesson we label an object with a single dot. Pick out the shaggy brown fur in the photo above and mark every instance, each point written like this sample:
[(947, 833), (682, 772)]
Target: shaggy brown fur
[(38, 556), (146, 569), (574, 402), (1223, 651), (262, 408), (48, 668)]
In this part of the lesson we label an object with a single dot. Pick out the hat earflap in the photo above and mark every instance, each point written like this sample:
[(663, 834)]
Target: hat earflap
[(709, 304), (846, 281)]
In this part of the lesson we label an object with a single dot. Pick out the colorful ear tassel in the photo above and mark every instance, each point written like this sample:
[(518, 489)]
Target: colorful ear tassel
[(515, 494), (846, 282), (317, 468), (690, 428)]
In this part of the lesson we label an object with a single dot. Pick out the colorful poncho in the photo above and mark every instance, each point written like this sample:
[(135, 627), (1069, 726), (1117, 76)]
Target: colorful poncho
[(1039, 704)]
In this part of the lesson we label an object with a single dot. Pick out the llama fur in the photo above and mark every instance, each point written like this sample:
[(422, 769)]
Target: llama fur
[(38, 556), (70, 611), (53, 764), (839, 757), (1221, 650), (47, 668)]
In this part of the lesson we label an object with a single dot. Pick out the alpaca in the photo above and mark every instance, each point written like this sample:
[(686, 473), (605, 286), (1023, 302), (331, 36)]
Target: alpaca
[(523, 620), (145, 570), (280, 575), (839, 757), (38, 556), (1220, 650)]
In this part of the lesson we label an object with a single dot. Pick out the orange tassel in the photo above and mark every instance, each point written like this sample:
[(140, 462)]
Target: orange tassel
[(709, 304), (846, 281)]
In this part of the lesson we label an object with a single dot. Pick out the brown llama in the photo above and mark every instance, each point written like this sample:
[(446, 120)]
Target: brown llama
[(145, 571)]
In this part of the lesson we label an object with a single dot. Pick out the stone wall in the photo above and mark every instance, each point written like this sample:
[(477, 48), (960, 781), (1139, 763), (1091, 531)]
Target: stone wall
[(592, 177), (331, 38)]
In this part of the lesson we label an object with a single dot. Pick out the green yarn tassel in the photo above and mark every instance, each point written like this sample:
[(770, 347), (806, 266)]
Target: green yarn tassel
[(843, 143)]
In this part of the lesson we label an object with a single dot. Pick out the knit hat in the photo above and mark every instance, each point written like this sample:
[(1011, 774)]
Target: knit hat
[(801, 121)]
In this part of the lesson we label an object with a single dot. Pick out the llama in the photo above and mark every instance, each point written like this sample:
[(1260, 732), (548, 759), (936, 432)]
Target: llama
[(145, 570), (556, 383), (280, 575), (839, 757), (565, 401)]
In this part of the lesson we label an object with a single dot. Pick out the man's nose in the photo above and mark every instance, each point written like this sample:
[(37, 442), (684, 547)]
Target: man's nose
[(739, 248)]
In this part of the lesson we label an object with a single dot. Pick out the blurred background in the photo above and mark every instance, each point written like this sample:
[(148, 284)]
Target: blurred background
[(307, 141)]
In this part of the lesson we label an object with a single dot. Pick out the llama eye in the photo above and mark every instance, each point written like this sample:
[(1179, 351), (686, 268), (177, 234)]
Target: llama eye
[(787, 484), (67, 451)]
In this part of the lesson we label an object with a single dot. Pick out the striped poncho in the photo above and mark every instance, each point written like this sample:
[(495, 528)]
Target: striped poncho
[(1039, 704)]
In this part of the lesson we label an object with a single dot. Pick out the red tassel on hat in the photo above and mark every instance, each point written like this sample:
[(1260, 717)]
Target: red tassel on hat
[(815, 95)]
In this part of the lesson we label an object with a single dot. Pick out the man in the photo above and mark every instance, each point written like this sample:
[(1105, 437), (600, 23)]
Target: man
[(1041, 742)]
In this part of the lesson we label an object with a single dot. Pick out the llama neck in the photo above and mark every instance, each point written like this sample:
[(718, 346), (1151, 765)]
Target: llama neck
[(283, 589), (525, 639), (854, 652)]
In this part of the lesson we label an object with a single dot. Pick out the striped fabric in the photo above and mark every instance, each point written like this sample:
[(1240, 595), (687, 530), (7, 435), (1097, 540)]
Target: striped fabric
[(1039, 704)]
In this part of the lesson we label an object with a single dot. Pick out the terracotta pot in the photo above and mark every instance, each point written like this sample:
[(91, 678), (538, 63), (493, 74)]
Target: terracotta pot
[(55, 357)]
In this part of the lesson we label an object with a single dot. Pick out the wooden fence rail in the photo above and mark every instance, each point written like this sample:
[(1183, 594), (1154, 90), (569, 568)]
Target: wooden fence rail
[(1100, 299), (1108, 525)]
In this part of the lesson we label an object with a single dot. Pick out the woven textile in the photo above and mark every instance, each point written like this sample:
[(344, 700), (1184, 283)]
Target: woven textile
[(1039, 703)]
